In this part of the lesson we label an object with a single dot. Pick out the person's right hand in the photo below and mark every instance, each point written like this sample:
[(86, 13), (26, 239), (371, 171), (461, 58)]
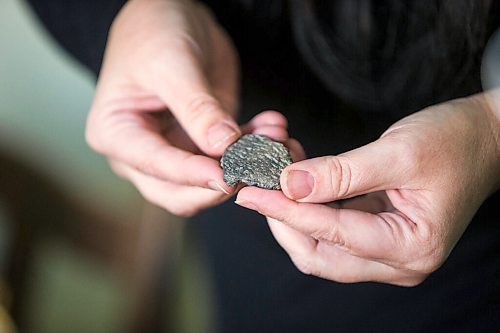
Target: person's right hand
[(165, 103)]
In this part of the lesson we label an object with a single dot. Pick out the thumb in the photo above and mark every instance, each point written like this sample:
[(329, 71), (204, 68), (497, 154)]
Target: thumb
[(185, 89), (380, 165)]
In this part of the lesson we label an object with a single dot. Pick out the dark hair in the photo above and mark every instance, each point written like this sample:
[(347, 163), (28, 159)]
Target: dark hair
[(395, 53)]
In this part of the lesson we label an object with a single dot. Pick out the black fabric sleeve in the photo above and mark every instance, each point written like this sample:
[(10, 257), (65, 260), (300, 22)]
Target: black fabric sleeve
[(81, 27)]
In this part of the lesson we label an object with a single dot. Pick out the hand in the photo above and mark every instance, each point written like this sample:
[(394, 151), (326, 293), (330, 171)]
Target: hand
[(165, 103), (436, 167)]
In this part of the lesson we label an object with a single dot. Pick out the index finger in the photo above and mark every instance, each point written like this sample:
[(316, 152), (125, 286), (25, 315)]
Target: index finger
[(141, 147), (376, 237), (182, 84)]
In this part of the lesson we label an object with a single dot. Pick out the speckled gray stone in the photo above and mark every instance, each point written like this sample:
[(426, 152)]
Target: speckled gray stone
[(255, 160)]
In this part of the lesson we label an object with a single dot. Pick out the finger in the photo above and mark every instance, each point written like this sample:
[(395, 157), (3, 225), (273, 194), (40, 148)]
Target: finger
[(321, 259), (270, 117), (362, 234), (129, 138), (273, 132), (274, 125), (296, 150), (182, 84), (177, 199), (300, 247), (269, 123), (313, 257), (377, 166)]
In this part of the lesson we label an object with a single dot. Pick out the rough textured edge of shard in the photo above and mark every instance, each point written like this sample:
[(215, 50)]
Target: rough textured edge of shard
[(255, 142)]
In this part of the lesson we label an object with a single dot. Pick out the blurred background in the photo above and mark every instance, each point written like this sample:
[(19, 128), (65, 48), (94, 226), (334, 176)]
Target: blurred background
[(80, 250)]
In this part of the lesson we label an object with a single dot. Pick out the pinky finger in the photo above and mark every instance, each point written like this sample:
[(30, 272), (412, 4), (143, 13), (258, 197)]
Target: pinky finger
[(274, 132), (329, 262), (267, 118), (180, 200), (295, 243)]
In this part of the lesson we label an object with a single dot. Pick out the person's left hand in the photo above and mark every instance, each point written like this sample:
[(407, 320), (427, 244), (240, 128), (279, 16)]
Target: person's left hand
[(427, 176)]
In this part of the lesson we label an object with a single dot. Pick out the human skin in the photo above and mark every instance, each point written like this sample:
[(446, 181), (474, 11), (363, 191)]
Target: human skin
[(164, 112), (427, 176), (165, 104)]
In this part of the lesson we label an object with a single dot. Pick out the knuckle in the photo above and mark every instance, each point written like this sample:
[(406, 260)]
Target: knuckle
[(431, 248), (429, 261), (340, 175), (290, 216), (330, 234), (150, 165), (304, 265), (409, 154), (100, 123), (145, 166), (422, 252), (201, 105), (183, 42)]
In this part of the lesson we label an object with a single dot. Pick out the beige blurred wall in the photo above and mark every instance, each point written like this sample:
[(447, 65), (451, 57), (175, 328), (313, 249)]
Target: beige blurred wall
[(44, 98)]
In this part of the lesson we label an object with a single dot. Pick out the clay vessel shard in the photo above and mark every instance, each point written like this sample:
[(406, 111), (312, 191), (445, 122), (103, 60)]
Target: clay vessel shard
[(255, 160)]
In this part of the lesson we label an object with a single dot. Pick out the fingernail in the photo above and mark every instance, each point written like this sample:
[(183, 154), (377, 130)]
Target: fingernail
[(299, 184), (221, 133), (217, 187), (246, 204)]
